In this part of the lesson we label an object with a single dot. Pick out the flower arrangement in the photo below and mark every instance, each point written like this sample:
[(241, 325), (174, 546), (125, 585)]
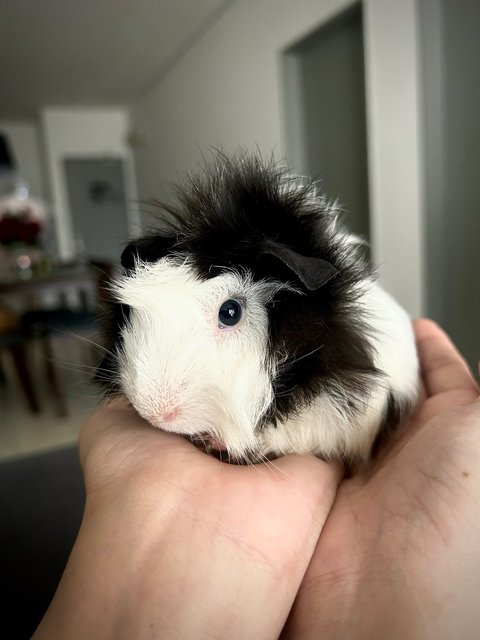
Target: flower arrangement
[(22, 220), (15, 229)]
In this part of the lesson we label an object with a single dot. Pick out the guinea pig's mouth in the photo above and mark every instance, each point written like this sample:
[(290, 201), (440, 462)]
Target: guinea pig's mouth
[(207, 442), (214, 447)]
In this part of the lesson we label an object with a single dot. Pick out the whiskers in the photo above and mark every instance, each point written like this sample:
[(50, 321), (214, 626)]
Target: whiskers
[(282, 368), (265, 463), (60, 350), (255, 460), (294, 359)]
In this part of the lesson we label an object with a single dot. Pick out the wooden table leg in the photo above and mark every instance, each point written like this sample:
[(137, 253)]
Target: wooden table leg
[(20, 360), (53, 377)]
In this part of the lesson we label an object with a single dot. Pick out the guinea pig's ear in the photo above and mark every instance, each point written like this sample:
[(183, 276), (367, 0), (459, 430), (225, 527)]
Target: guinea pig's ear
[(147, 249), (312, 272)]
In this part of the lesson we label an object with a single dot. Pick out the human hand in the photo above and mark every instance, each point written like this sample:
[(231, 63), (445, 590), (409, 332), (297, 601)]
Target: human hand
[(399, 556), (177, 544)]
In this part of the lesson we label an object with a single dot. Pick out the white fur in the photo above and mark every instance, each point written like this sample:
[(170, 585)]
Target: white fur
[(176, 358), (176, 361)]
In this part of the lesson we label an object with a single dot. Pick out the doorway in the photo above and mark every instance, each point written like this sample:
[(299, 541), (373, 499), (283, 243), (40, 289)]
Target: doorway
[(451, 104), (98, 206), (324, 89)]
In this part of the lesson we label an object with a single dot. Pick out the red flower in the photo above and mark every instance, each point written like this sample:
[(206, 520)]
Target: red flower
[(14, 229), (8, 229), (28, 232)]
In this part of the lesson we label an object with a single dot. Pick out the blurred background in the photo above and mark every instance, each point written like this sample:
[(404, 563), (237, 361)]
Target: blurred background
[(104, 104)]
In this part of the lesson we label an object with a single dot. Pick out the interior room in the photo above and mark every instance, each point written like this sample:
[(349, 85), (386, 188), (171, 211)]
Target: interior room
[(89, 138), (104, 106)]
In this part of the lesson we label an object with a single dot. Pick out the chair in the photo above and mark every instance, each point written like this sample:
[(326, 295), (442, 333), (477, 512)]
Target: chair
[(47, 324), (14, 340)]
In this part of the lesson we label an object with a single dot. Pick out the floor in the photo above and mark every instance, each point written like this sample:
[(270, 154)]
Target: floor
[(23, 432)]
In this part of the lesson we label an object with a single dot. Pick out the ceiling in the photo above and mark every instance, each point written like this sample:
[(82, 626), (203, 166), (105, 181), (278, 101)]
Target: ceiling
[(91, 52)]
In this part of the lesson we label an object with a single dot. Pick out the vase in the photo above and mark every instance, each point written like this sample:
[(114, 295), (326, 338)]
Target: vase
[(21, 261)]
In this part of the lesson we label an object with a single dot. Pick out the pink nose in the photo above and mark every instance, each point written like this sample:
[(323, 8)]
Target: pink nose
[(171, 415)]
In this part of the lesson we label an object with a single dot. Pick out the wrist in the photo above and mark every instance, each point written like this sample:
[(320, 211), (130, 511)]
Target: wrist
[(178, 559)]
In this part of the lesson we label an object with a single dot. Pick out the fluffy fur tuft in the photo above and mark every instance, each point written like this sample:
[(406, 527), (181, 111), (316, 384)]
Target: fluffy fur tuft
[(322, 354)]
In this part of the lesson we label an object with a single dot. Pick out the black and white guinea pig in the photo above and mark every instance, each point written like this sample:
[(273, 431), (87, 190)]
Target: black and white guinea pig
[(251, 324)]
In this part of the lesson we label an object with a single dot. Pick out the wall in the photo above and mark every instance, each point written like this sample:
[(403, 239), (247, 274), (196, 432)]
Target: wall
[(226, 90), (24, 137), (451, 50), (462, 146), (434, 160), (83, 133), (331, 110), (392, 70)]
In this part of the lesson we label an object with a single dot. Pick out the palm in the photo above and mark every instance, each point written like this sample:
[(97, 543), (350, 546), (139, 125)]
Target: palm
[(390, 523), (257, 524)]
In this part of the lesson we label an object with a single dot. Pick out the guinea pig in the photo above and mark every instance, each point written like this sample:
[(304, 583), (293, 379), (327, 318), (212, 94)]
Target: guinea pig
[(251, 323)]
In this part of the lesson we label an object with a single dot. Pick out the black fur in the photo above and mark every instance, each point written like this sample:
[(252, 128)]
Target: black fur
[(106, 374), (396, 410), (226, 218)]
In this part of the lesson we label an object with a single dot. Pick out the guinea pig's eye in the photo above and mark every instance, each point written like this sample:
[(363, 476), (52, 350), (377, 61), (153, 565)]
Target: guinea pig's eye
[(230, 313)]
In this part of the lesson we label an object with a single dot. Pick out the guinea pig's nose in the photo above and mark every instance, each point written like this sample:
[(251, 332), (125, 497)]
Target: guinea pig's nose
[(170, 415)]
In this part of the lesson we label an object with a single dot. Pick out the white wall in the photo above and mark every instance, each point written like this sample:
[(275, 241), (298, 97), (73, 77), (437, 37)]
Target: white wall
[(328, 115), (226, 90), (392, 68), (83, 133), (24, 137)]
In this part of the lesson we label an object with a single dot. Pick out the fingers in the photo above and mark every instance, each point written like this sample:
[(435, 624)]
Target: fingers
[(443, 367)]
